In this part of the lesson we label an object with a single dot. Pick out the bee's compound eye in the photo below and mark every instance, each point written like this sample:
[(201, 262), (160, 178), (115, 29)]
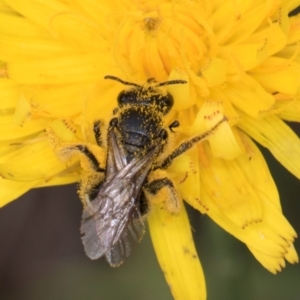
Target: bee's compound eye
[(127, 97), (165, 103)]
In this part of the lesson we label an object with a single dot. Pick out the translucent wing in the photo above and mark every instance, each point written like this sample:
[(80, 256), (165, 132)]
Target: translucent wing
[(112, 223), (131, 235)]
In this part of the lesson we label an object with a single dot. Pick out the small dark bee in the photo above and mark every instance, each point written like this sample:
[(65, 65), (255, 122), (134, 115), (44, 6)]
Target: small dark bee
[(112, 221)]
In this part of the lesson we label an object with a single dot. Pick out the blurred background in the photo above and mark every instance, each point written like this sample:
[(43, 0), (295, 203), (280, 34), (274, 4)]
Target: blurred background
[(41, 255)]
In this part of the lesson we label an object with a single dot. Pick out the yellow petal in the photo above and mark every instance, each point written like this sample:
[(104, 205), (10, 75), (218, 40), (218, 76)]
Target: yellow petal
[(185, 172), (9, 91), (23, 111), (275, 264), (294, 34), (215, 71), (273, 133), (10, 131), (7, 9), (63, 130), (240, 21), (223, 141), (100, 100), (229, 111), (248, 55), (93, 9), (23, 48), (60, 70), (31, 162), (61, 179), (290, 4), (229, 187), (173, 243), (54, 101), (249, 96), (291, 255), (262, 180), (38, 11), (270, 245), (272, 264), (10, 25), (180, 92), (152, 60), (226, 143), (273, 218), (243, 191), (77, 31), (291, 112), (274, 34), (278, 75)]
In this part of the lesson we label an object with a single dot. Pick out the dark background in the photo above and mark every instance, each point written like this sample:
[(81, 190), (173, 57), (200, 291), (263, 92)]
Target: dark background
[(41, 256)]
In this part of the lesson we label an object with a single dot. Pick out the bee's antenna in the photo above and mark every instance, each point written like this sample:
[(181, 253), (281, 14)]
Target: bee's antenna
[(176, 81), (121, 81)]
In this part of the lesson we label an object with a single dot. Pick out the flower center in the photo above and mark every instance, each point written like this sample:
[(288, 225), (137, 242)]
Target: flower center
[(153, 41), (151, 23)]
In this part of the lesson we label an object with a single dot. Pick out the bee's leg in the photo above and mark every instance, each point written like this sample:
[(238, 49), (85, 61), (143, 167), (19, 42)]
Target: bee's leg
[(187, 145), (89, 190), (91, 158), (174, 125), (90, 180), (97, 133), (164, 191), (156, 185)]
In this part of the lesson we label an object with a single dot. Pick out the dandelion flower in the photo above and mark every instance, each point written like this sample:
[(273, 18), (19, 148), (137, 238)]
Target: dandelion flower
[(240, 58)]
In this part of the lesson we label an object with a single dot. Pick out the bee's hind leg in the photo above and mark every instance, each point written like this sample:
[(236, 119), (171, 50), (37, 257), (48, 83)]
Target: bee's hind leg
[(156, 185), (162, 190)]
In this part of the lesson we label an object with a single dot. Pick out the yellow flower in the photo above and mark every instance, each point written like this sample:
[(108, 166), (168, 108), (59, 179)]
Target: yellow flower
[(240, 58)]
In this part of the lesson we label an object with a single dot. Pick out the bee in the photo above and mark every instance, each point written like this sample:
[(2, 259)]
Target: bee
[(113, 219)]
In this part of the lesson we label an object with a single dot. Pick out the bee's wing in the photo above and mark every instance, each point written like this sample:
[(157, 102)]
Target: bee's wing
[(116, 157), (105, 219), (112, 219), (131, 235)]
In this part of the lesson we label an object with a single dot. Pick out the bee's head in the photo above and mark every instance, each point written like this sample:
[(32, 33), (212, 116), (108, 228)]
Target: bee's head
[(148, 95)]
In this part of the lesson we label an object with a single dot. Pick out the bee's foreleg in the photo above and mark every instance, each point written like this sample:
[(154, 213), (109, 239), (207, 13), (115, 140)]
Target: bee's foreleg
[(186, 145)]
